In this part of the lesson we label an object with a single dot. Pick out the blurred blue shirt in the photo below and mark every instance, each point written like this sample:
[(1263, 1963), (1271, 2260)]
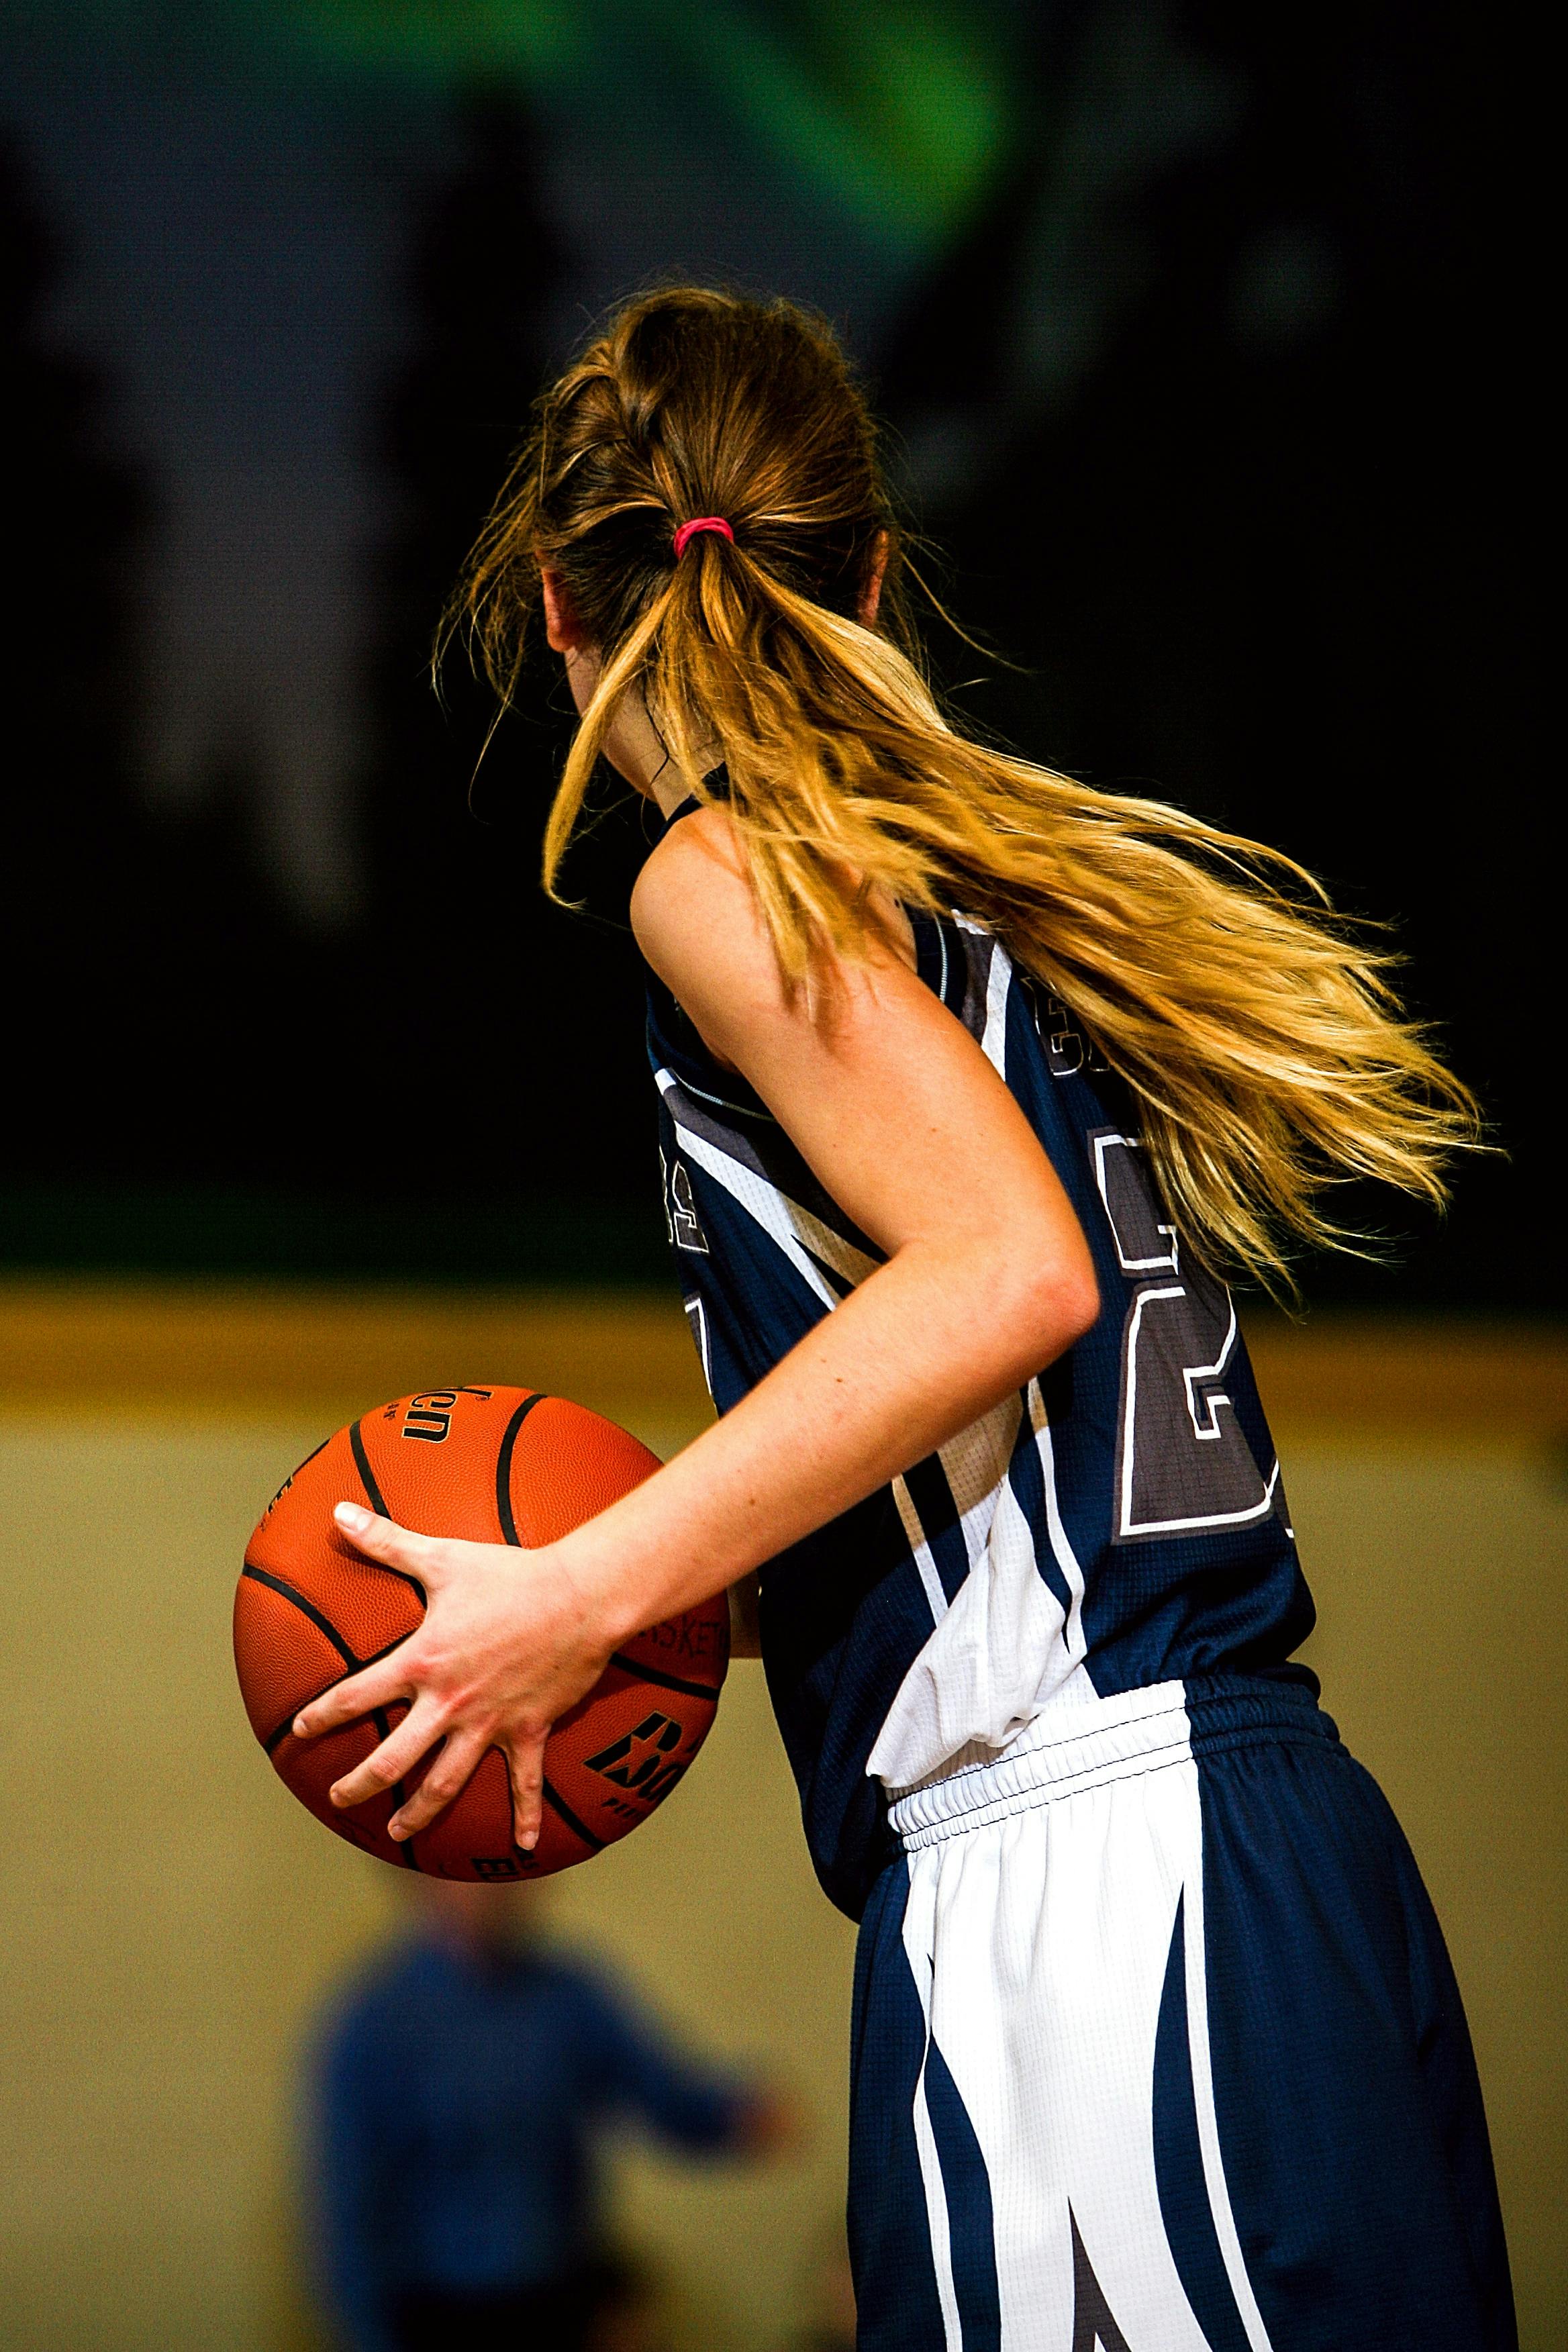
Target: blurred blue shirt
[(458, 2100)]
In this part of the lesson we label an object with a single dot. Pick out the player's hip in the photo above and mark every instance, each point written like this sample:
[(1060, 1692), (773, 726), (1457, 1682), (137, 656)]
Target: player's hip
[(1124, 1994)]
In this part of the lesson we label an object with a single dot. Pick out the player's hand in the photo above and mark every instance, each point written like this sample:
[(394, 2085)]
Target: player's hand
[(510, 1639), (772, 2123)]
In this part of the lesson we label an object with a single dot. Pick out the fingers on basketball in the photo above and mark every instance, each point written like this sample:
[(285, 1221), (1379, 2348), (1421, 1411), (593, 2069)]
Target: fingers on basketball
[(525, 1773), (320, 1613)]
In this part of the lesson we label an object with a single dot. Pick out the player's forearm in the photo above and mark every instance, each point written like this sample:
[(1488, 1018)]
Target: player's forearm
[(929, 1343)]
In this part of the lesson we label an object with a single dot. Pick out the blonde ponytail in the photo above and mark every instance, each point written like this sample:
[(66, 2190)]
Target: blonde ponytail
[(1259, 1034)]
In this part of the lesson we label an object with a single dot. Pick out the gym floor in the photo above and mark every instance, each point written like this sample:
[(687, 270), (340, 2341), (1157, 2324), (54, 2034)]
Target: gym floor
[(173, 1921)]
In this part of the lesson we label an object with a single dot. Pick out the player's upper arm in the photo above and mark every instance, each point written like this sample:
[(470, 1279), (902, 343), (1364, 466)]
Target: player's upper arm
[(889, 1099)]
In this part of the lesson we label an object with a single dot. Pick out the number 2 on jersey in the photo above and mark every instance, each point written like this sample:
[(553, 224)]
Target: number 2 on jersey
[(1183, 1464)]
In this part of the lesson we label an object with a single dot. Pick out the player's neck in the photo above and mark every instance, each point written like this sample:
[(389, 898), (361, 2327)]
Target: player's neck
[(636, 750)]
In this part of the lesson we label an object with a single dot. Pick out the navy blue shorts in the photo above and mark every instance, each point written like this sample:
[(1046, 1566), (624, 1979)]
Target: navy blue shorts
[(1157, 2048)]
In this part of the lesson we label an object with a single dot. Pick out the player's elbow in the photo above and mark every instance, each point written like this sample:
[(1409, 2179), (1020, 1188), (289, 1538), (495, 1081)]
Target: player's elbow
[(1057, 1301)]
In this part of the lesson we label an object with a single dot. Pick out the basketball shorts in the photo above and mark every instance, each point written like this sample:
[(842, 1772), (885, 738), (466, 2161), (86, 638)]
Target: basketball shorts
[(1156, 2048)]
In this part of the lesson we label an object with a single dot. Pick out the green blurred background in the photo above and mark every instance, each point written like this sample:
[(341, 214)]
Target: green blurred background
[(1202, 337)]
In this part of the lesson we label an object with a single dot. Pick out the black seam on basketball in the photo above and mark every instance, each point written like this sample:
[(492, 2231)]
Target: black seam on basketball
[(378, 1504), (558, 1804), (666, 1682), (274, 1740), (307, 1609), (361, 1462), (405, 1853), (503, 1468), (308, 1459)]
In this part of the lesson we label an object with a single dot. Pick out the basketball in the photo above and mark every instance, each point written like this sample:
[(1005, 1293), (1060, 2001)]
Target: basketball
[(491, 1466)]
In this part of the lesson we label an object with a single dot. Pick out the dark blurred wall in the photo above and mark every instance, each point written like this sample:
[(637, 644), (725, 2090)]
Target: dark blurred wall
[(1261, 555), (73, 520), (1213, 396), (157, 987), (451, 1083), (510, 1029)]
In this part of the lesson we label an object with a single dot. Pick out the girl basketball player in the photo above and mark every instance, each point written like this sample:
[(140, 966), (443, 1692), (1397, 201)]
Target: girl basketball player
[(974, 1085)]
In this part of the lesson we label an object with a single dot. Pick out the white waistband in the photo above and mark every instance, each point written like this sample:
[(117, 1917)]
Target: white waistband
[(1066, 1749)]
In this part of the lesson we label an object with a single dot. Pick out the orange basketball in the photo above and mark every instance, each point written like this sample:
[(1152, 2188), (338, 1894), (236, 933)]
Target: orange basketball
[(494, 1465)]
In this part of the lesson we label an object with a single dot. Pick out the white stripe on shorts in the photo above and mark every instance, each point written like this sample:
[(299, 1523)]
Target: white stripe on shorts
[(1043, 1897)]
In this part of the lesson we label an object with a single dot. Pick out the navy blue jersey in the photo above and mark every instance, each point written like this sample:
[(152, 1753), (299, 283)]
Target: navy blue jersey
[(1119, 1522)]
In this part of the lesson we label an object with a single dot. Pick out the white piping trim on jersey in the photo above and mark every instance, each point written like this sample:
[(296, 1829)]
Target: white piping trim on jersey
[(696, 1316), (1074, 1639), (1195, 1968), (941, 942), (719, 1102), (993, 1039), (924, 1557), (1191, 1374), (1169, 1260)]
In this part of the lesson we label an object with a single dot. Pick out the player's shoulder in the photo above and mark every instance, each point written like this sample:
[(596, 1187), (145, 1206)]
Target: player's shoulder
[(693, 905), (700, 849)]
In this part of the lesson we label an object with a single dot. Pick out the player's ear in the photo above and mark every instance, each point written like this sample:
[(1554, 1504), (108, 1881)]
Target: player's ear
[(561, 625)]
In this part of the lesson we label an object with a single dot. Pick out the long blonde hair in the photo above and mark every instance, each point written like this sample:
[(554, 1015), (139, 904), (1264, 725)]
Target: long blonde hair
[(1260, 1036)]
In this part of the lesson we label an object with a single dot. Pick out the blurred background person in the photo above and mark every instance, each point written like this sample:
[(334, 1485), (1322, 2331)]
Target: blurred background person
[(461, 2088)]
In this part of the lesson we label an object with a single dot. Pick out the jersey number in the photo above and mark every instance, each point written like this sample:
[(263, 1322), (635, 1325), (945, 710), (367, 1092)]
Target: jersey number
[(1183, 1464), (1067, 1049), (682, 1223)]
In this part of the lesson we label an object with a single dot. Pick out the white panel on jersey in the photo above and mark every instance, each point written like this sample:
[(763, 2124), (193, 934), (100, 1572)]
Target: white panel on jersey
[(975, 1465), (988, 981), (1004, 1647)]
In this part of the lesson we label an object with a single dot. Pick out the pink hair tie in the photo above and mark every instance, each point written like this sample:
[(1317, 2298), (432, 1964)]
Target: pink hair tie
[(688, 530)]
